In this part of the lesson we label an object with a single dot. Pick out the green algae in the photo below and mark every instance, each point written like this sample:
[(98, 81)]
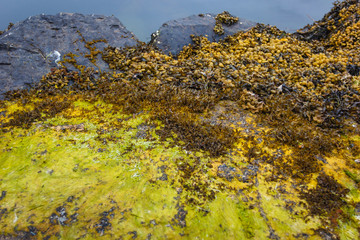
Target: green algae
[(255, 137), (60, 165), (61, 179), (104, 181)]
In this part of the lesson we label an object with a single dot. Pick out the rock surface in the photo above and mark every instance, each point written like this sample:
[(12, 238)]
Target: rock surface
[(32, 47), (255, 137), (175, 34)]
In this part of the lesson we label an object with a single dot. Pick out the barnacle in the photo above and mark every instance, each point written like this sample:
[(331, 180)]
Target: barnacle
[(265, 121)]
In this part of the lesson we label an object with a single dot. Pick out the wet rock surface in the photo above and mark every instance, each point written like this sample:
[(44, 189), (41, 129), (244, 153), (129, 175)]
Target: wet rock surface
[(254, 137), (173, 35), (226, 172), (60, 217), (29, 49)]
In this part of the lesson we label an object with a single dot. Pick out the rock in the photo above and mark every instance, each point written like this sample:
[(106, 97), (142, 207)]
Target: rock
[(29, 49), (353, 69), (175, 34)]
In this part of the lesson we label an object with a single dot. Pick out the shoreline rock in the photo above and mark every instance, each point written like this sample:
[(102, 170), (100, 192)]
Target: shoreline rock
[(173, 35), (30, 48)]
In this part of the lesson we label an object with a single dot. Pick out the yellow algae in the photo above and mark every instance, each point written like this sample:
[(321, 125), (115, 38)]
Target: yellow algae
[(219, 220), (253, 137), (348, 231), (91, 176), (55, 168), (285, 211)]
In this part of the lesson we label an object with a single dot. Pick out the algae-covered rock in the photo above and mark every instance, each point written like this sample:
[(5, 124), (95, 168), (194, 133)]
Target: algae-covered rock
[(253, 137), (30, 48), (173, 35)]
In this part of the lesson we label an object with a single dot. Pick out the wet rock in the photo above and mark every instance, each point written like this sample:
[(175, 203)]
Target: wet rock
[(164, 176), (142, 131), (173, 35), (60, 217), (226, 172), (133, 234), (357, 208), (3, 212), (73, 217), (19, 235), (353, 70), (102, 225), (179, 218), (70, 199), (248, 173), (153, 222), (229, 114), (30, 48), (32, 230), (3, 194), (320, 158), (326, 234), (104, 222)]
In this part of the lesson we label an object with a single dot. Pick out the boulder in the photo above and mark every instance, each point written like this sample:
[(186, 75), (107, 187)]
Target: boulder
[(29, 49), (175, 34)]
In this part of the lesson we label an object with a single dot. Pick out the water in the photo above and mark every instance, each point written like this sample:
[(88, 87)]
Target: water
[(143, 17)]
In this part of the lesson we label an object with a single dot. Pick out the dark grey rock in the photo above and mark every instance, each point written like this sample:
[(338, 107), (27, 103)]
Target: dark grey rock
[(175, 34), (354, 70), (32, 47), (226, 172)]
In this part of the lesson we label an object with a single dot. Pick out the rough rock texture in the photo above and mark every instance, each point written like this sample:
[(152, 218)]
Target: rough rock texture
[(27, 49), (175, 34)]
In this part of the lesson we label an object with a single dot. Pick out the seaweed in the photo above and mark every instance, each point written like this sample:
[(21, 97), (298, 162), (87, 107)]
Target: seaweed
[(328, 196), (8, 28), (197, 136), (300, 91), (42, 110), (224, 18)]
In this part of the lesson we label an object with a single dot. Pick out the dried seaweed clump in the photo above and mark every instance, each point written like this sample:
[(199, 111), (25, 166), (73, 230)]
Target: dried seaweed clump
[(42, 110), (196, 135), (326, 197), (8, 28), (62, 81), (224, 18)]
